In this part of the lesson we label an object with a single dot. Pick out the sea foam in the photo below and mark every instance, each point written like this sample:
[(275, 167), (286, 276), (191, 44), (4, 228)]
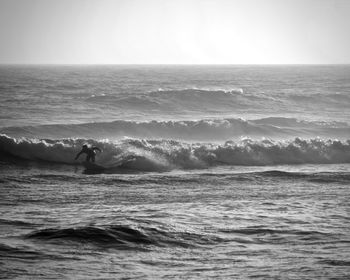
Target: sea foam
[(162, 155)]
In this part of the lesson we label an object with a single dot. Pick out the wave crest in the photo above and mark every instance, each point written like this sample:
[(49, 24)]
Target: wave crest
[(112, 235), (195, 130), (162, 155)]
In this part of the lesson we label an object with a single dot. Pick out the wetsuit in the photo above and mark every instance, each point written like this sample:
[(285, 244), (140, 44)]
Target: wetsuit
[(90, 153)]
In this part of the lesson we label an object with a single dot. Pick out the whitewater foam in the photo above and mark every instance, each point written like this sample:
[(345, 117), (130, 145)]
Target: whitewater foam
[(162, 155)]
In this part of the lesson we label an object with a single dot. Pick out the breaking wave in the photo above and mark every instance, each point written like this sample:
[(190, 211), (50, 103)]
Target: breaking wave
[(163, 155)]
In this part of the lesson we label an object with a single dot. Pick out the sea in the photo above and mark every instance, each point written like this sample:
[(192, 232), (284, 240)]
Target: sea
[(206, 172)]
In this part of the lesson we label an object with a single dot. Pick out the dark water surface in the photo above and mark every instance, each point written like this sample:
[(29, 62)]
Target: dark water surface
[(218, 224), (208, 172)]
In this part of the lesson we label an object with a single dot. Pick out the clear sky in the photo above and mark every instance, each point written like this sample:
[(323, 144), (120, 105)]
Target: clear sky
[(175, 31)]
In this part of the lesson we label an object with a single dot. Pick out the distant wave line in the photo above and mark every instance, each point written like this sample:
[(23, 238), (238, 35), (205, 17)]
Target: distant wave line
[(196, 130)]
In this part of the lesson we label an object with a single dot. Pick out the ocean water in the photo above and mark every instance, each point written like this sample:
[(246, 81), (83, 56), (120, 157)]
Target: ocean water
[(210, 172)]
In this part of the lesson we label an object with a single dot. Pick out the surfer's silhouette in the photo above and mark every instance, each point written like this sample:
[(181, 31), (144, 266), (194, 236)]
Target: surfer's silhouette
[(90, 153)]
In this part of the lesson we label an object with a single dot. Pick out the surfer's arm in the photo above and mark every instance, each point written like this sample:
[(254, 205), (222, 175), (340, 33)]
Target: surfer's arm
[(78, 155), (96, 148)]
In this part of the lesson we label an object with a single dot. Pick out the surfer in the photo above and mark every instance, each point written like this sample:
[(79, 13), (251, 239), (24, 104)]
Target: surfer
[(90, 153)]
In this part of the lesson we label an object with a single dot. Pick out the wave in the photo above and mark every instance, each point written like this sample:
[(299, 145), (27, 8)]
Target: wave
[(193, 96), (122, 236), (163, 155), (258, 230), (16, 223), (319, 177), (199, 178), (7, 252), (27, 253), (175, 99), (108, 235), (224, 100), (334, 262), (141, 237), (339, 99), (196, 130)]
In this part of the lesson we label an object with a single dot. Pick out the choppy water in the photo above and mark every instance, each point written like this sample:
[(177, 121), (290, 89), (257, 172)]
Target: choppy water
[(228, 172)]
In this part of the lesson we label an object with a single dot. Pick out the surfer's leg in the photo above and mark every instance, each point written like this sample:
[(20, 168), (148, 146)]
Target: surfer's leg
[(93, 158), (88, 158)]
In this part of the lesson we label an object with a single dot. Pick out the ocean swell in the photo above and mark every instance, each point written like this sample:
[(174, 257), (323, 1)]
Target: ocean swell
[(189, 130), (125, 236), (109, 235), (176, 99)]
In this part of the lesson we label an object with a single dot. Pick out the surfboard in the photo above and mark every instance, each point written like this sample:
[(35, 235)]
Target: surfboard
[(90, 166)]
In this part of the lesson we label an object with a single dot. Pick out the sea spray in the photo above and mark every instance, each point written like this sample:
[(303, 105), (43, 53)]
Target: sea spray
[(161, 155)]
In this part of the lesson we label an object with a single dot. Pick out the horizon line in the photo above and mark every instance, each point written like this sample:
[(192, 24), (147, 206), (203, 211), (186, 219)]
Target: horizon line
[(172, 64)]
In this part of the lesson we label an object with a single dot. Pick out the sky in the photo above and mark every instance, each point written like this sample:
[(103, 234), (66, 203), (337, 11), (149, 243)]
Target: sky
[(175, 31)]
